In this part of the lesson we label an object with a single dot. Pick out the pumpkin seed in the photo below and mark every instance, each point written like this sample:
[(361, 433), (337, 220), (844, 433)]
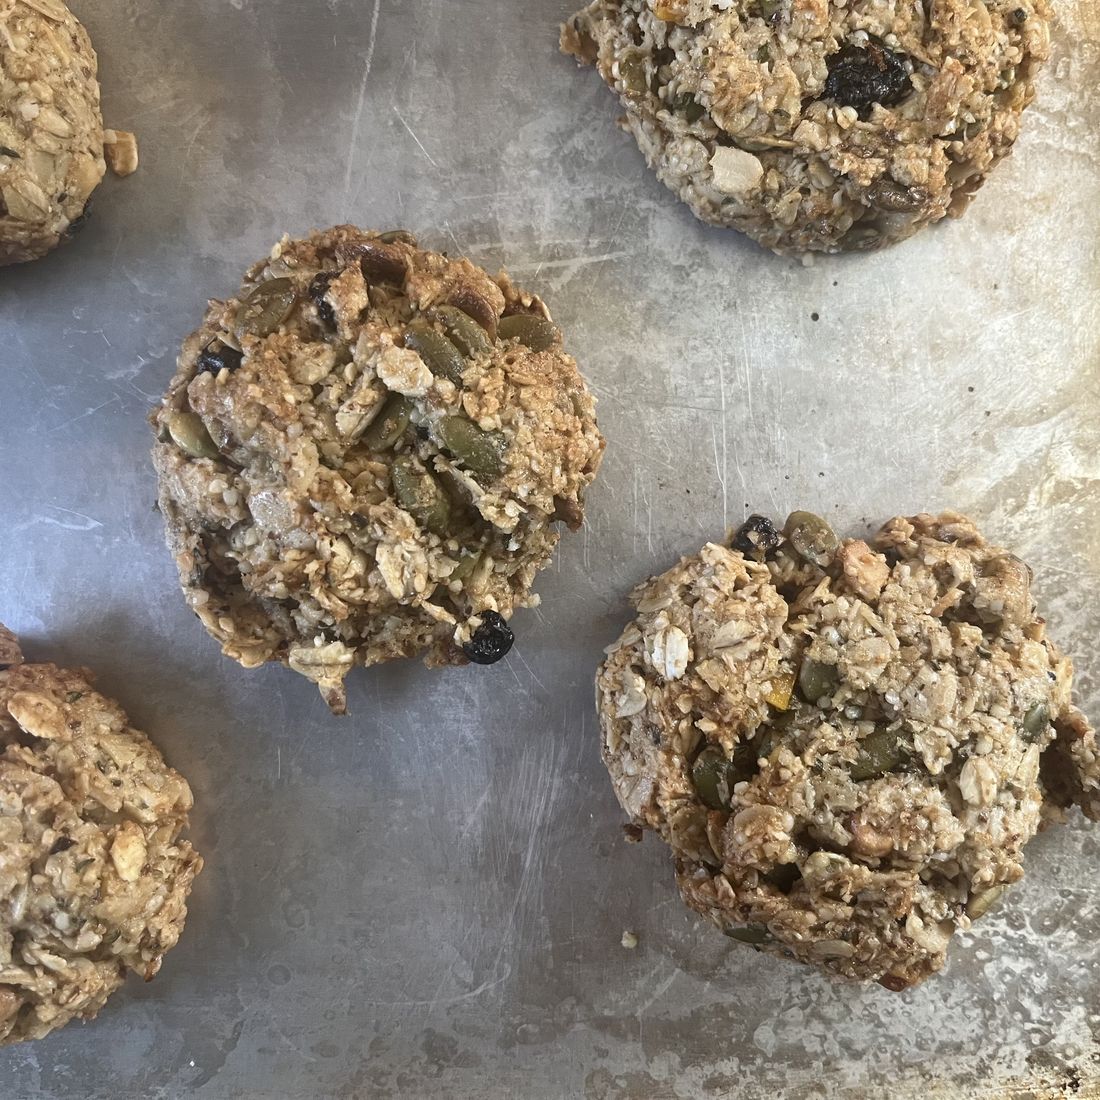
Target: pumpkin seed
[(532, 331), (474, 304), (393, 236), (749, 933), (419, 493), (465, 333), (189, 433), (879, 752), (632, 73), (442, 358), (981, 902), (467, 560), (480, 452), (265, 309), (1036, 721), (688, 107), (817, 680), (812, 537), (390, 424), (715, 774)]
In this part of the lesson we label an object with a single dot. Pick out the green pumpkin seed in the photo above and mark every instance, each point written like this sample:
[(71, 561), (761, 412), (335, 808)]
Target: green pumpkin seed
[(632, 73), (189, 433), (981, 902), (534, 332), (440, 356), (265, 309), (465, 333), (480, 452), (393, 236), (390, 424), (749, 933), (1036, 721), (715, 774), (710, 774), (816, 680), (467, 561), (812, 537), (687, 106), (879, 752), (419, 493)]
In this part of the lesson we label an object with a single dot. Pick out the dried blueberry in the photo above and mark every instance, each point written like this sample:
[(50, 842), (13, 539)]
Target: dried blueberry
[(490, 641), (861, 77), (317, 291), (62, 844), (80, 220), (217, 357), (756, 537), (1019, 16)]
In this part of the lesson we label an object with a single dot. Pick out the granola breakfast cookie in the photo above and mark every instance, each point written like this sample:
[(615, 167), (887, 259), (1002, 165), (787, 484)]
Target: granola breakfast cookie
[(818, 126), (362, 457), (93, 878), (845, 745), (51, 132)]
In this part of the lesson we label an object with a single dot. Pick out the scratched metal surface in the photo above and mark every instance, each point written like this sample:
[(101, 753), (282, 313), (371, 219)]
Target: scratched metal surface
[(426, 899)]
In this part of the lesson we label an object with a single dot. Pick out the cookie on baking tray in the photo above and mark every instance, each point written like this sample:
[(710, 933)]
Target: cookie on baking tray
[(51, 133), (364, 454), (818, 126), (846, 746), (93, 876)]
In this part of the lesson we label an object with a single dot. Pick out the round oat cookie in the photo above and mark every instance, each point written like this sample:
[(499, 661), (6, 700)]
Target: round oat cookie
[(363, 455), (51, 132), (819, 126), (845, 745), (93, 878)]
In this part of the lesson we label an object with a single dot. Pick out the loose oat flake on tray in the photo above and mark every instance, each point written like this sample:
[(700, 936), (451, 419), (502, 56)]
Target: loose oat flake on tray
[(364, 454), (818, 126), (846, 745), (93, 876)]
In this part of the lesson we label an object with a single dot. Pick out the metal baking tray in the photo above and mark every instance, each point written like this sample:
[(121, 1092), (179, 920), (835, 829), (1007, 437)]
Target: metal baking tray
[(426, 898)]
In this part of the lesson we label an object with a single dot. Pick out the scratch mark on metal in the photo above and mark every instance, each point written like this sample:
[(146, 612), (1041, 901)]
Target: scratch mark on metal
[(362, 97), (412, 133)]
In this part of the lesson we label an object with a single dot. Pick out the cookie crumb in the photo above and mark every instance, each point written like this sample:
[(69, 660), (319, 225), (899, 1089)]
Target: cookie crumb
[(121, 152), (630, 939)]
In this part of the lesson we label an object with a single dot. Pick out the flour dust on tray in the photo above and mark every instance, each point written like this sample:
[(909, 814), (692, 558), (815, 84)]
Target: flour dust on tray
[(364, 454), (51, 132), (846, 746), (818, 127), (93, 876)]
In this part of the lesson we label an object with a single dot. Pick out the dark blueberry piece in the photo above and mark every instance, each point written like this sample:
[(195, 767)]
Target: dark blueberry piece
[(6, 152), (756, 536), (861, 77), (1019, 16), (317, 291), (490, 641), (214, 357), (80, 221), (62, 844)]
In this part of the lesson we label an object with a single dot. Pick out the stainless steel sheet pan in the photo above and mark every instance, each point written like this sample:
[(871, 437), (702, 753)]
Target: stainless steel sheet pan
[(426, 898)]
